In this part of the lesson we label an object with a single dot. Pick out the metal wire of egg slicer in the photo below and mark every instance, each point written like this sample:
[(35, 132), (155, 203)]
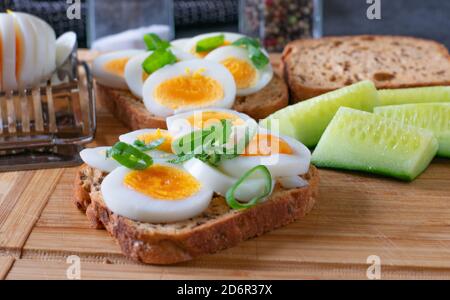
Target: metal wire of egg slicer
[(46, 126)]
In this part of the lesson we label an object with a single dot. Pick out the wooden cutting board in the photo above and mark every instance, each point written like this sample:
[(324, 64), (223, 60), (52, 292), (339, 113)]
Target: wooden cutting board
[(404, 225)]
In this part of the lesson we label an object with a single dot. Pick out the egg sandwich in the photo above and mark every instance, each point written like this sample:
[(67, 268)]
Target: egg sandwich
[(211, 180), (225, 70)]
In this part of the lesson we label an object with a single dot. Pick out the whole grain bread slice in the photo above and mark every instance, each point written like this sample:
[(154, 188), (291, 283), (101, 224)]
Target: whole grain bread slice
[(218, 228), (316, 66), (133, 114)]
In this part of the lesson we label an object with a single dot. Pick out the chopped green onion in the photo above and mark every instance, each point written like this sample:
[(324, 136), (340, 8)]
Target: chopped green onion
[(210, 43), (258, 58), (211, 145), (158, 59), (235, 204), (208, 144), (129, 156), (246, 41), (147, 147), (154, 42)]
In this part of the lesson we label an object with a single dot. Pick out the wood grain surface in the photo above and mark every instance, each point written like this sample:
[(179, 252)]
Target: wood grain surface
[(407, 225)]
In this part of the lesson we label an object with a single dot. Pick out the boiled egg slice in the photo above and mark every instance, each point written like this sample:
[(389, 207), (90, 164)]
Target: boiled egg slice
[(8, 79), (189, 85), (45, 44), (96, 158), (163, 152), (26, 49), (283, 156), (161, 193), (64, 47), (191, 45), (135, 75), (221, 183), (201, 118), (248, 78), (109, 69)]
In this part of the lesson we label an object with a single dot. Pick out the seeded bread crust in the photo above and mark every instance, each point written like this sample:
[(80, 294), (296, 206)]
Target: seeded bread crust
[(316, 66), (218, 228), (132, 112)]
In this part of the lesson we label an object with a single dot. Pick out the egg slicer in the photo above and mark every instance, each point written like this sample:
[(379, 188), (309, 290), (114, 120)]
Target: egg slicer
[(46, 126)]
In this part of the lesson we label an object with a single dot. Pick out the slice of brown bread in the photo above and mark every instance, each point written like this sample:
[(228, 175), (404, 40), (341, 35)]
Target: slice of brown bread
[(316, 66), (218, 228), (132, 112)]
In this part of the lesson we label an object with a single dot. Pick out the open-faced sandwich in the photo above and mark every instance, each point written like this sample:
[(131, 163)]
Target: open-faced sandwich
[(211, 180), (226, 70)]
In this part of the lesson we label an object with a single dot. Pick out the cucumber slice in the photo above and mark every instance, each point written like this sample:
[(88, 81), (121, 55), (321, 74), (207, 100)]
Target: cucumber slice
[(432, 116), (414, 95), (307, 120), (361, 141)]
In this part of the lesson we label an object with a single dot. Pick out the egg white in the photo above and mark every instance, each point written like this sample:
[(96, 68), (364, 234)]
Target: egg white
[(26, 32), (96, 158), (191, 44), (211, 69), (292, 182), (51, 48), (41, 53), (157, 155), (134, 70), (64, 47), (109, 79), (129, 203), (8, 81), (45, 47), (264, 76), (179, 43), (221, 183), (279, 165)]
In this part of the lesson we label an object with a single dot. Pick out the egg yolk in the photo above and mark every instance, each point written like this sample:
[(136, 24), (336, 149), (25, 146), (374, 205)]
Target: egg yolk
[(19, 51), (243, 73), (187, 90), (116, 66), (202, 54), (166, 146), (163, 183), (265, 145), (208, 118), (144, 76)]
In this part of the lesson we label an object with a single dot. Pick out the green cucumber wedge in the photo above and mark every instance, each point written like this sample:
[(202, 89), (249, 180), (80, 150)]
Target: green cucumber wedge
[(361, 141), (414, 95), (307, 120), (432, 116)]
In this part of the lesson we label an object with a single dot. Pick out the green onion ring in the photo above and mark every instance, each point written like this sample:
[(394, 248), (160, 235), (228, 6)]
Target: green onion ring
[(234, 204), (130, 157)]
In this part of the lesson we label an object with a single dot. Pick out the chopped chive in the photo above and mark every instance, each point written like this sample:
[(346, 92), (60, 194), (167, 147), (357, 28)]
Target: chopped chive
[(154, 42), (259, 59), (256, 55), (246, 41), (158, 59), (210, 145), (210, 43), (129, 156)]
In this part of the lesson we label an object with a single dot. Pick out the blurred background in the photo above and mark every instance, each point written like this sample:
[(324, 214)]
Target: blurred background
[(267, 18)]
